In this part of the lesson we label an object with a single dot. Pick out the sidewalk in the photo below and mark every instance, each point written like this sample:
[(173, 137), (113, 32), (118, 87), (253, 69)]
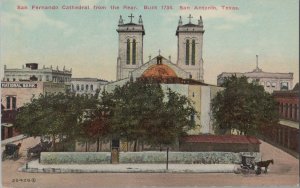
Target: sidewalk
[(35, 167), (13, 139)]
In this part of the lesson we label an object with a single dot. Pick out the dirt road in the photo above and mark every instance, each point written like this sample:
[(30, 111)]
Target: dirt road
[(285, 171)]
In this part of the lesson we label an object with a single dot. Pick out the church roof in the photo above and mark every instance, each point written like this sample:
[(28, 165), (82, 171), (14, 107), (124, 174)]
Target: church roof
[(159, 70)]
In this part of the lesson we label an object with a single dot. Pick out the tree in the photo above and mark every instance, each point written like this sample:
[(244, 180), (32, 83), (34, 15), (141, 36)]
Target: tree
[(141, 114), (56, 115), (135, 104), (243, 106), (97, 125), (173, 120)]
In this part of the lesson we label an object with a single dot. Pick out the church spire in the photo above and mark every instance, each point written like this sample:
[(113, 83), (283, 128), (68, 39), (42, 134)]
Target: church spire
[(257, 69), (190, 17), (200, 22), (180, 21), (140, 20), (121, 20)]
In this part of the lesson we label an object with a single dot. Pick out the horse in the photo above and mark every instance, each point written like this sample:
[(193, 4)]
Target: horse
[(41, 147), (264, 164)]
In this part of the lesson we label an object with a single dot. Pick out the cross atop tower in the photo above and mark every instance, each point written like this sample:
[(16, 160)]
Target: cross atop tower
[(190, 17), (131, 18)]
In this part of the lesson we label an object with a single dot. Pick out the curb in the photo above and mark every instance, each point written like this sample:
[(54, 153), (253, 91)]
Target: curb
[(124, 170)]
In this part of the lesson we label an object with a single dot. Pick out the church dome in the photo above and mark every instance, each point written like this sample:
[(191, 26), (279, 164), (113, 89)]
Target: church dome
[(159, 70)]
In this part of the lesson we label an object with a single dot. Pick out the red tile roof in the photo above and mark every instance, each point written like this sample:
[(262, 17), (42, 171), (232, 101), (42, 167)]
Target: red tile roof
[(235, 139)]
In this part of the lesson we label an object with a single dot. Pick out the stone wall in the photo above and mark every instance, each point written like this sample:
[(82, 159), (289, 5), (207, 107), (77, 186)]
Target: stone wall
[(75, 157), (184, 157), (144, 157)]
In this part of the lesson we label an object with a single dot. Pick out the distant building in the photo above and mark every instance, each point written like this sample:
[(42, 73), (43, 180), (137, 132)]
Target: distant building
[(270, 81), (87, 86), (31, 72)]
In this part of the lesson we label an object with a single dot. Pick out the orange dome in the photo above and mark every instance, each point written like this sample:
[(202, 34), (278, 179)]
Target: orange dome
[(159, 70)]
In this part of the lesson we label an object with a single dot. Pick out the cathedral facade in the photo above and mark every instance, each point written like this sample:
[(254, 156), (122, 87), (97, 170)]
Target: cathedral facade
[(189, 48), (185, 76)]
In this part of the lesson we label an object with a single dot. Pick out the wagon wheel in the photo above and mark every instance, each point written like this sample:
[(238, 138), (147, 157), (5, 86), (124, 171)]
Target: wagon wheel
[(3, 155), (245, 170), (258, 171), (16, 155)]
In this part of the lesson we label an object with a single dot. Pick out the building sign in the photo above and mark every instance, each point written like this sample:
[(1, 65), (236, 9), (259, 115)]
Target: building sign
[(18, 85)]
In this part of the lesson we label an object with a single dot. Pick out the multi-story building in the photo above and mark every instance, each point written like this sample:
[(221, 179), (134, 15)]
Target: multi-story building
[(20, 86), (288, 103), (87, 86), (31, 72), (269, 80), (285, 134)]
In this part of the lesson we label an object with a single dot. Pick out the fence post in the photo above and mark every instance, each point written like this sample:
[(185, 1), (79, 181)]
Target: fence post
[(167, 158)]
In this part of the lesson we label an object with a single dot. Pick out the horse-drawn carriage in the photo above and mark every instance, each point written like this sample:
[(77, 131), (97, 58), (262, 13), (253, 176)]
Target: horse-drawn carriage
[(36, 150), (11, 151), (249, 166)]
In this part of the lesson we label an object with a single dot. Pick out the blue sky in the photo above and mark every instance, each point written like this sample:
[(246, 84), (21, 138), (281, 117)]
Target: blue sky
[(87, 41)]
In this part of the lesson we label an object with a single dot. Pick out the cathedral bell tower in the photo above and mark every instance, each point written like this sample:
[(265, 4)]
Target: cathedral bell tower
[(189, 48), (130, 55)]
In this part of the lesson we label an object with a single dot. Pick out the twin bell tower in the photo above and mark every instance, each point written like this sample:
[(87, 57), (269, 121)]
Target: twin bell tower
[(189, 47)]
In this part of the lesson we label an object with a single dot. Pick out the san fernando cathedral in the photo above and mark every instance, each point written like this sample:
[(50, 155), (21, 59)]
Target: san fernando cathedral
[(185, 76)]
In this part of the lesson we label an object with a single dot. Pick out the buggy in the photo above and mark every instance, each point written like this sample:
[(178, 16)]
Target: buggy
[(248, 165), (11, 151)]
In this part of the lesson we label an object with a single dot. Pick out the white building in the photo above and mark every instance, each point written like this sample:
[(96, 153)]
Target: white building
[(31, 72), (269, 80), (88, 86)]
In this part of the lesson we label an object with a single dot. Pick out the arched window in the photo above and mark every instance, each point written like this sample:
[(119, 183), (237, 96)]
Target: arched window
[(86, 87), (133, 52), (187, 52), (193, 52), (77, 87), (128, 52), (82, 87), (92, 87)]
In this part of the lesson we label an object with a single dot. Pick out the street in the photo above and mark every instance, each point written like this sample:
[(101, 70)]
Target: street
[(284, 171)]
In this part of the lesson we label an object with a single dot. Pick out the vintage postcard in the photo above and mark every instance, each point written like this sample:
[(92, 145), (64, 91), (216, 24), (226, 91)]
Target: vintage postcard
[(149, 93)]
